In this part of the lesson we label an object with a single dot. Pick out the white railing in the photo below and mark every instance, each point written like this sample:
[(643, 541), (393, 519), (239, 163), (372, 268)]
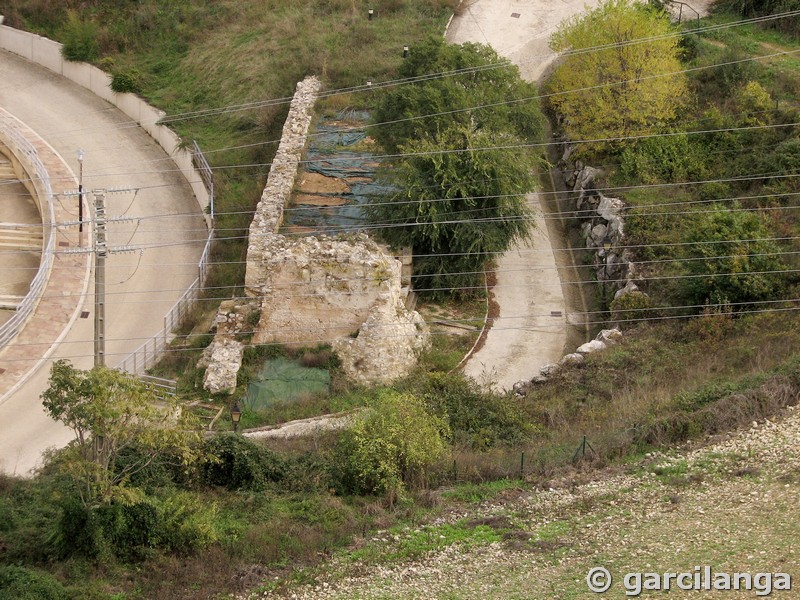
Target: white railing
[(149, 353), (27, 155)]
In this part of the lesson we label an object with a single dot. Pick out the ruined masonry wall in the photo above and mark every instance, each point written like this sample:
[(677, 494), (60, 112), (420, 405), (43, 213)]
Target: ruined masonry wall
[(269, 212)]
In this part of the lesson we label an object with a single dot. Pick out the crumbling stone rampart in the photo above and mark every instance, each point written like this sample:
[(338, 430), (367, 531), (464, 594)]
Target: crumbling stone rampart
[(269, 212)]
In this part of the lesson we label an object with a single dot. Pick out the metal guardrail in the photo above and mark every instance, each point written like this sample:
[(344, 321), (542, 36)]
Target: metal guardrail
[(206, 174), (149, 353), (26, 153), (680, 6), (164, 388)]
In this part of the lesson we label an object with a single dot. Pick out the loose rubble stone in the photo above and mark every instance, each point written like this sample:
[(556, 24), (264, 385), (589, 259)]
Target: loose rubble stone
[(589, 347), (224, 358)]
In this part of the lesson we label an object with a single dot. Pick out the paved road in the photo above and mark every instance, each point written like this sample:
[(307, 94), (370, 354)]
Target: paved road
[(69, 117), (533, 326), (528, 286)]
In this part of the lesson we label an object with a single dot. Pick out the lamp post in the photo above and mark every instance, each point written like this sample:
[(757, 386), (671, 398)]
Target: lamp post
[(81, 155), (236, 415)]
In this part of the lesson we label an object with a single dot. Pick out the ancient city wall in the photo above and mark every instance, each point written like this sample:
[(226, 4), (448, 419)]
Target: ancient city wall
[(310, 290), (280, 182)]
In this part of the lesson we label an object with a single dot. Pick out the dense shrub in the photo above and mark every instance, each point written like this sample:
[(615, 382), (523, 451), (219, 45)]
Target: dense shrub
[(663, 159), (80, 39), (756, 8), (631, 307), (237, 463), (391, 444), (129, 81), (18, 583), (743, 265), (178, 522), (477, 418)]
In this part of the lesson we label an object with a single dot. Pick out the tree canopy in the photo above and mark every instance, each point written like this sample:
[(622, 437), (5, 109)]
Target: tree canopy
[(619, 86), (111, 412), (747, 269), (486, 94), (461, 180)]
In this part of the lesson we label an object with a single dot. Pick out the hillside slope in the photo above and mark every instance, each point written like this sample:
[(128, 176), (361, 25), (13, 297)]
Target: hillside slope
[(729, 505)]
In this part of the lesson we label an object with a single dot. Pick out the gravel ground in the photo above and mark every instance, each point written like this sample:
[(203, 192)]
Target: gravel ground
[(729, 505)]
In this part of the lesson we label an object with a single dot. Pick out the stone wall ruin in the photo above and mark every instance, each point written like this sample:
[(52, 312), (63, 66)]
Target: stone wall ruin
[(345, 291)]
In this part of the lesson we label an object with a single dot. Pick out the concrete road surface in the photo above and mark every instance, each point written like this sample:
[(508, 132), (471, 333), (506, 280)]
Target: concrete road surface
[(533, 325), (528, 291), (139, 292)]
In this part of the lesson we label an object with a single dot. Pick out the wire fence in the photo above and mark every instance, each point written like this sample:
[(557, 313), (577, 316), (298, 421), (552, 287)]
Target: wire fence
[(149, 353), (26, 153)]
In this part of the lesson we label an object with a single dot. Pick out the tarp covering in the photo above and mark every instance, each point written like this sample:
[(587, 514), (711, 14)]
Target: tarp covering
[(281, 379), (330, 154)]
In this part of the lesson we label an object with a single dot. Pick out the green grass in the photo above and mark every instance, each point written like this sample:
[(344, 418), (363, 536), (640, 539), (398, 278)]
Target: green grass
[(405, 544), (474, 493)]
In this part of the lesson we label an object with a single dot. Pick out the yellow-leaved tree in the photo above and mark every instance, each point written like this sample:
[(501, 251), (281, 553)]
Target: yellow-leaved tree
[(620, 72)]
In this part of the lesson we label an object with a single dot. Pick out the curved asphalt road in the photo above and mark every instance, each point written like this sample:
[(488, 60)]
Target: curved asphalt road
[(70, 117)]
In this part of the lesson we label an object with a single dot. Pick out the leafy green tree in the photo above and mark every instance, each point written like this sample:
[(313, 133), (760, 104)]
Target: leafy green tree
[(393, 442), (111, 412), (463, 179), (456, 208), (482, 97), (732, 268), (611, 92)]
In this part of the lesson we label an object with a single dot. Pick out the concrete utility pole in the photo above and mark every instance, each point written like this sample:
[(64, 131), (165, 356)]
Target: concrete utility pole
[(100, 252)]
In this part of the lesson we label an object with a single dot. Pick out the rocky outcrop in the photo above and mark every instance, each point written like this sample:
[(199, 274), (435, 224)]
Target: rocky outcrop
[(222, 359), (604, 339), (387, 346), (604, 225), (269, 212)]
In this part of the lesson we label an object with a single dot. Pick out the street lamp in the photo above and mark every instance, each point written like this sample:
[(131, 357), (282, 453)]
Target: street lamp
[(236, 415), (81, 155)]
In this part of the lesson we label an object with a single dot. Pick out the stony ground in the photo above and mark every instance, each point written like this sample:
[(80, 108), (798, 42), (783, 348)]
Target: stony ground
[(730, 505)]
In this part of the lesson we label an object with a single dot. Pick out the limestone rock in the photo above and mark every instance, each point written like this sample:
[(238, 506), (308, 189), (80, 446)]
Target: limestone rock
[(609, 336), (387, 346), (572, 359), (316, 290), (584, 179), (224, 359), (629, 287), (549, 370), (589, 347)]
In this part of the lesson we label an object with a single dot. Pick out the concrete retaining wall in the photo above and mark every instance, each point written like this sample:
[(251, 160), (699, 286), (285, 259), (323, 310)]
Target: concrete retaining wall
[(47, 53)]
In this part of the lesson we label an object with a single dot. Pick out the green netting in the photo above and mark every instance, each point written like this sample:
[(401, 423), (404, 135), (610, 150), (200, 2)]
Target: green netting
[(280, 380)]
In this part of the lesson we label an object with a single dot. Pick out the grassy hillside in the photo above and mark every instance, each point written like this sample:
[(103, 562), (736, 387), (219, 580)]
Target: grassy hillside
[(194, 56), (253, 517)]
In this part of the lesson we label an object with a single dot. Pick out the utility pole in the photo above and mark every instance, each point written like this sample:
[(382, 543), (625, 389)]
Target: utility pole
[(100, 252), (81, 156)]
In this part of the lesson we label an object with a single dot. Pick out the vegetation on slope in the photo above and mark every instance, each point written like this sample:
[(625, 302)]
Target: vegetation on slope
[(258, 512)]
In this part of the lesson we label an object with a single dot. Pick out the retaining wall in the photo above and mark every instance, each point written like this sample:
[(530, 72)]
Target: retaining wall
[(47, 53)]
